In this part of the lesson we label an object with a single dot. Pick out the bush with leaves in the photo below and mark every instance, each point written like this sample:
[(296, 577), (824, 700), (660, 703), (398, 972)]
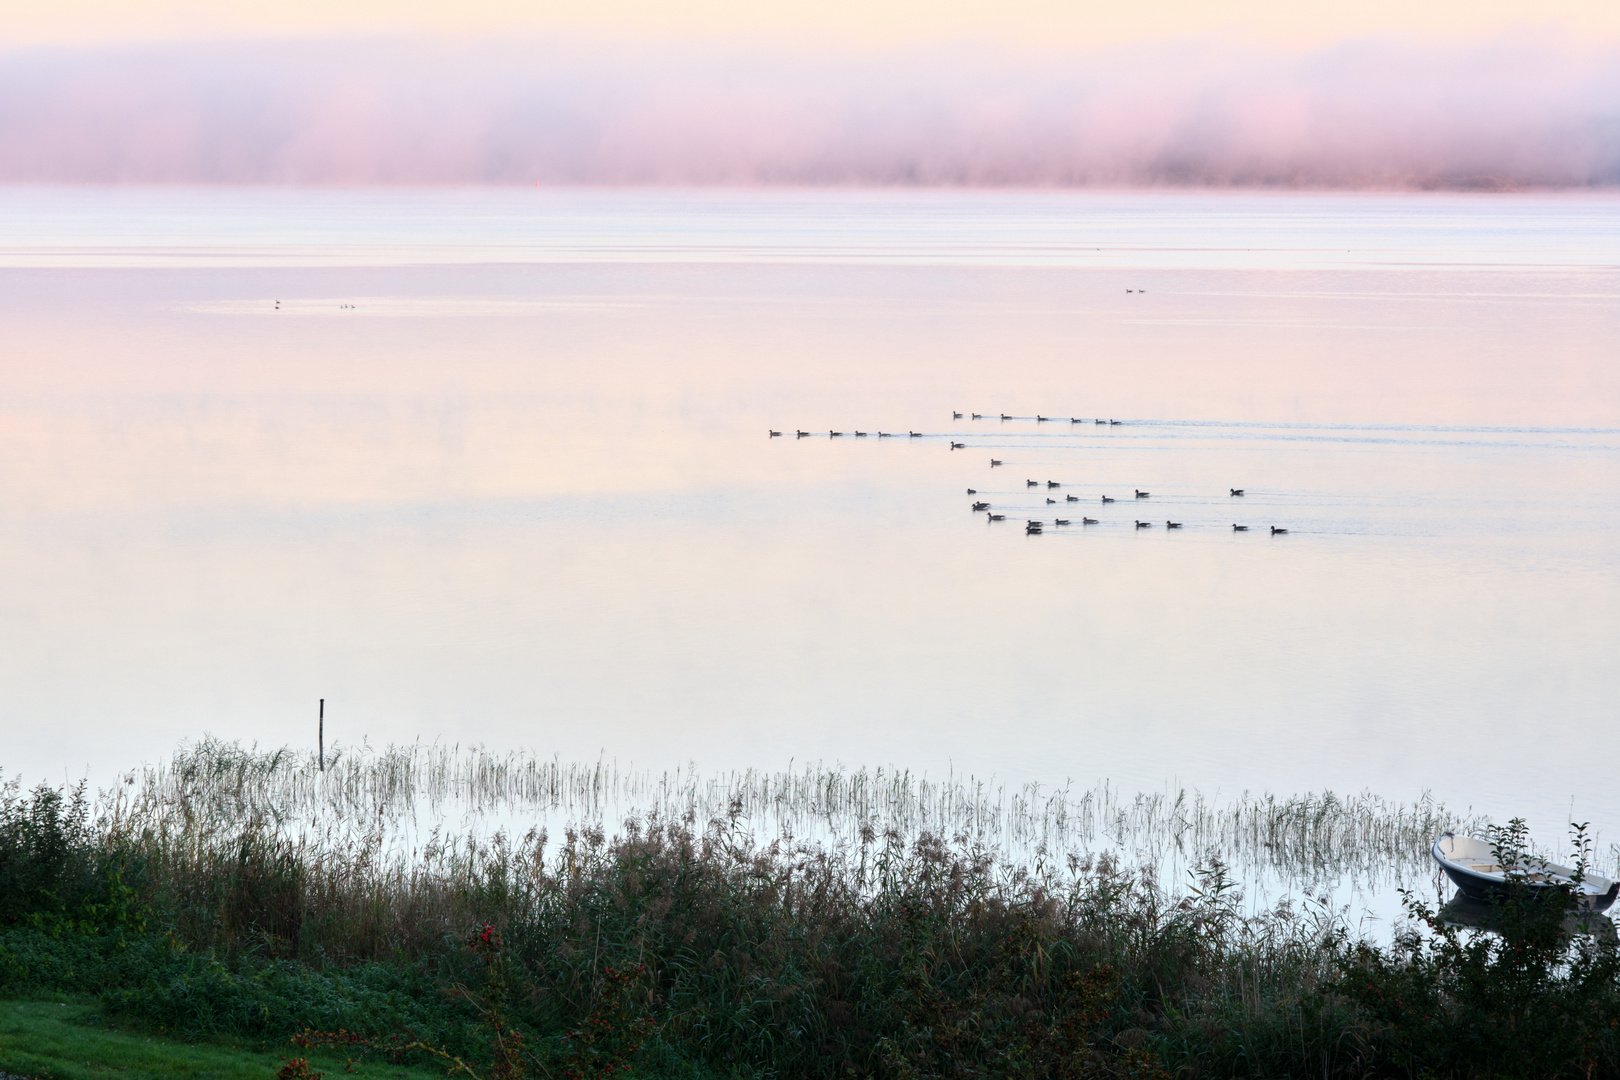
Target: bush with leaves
[(1532, 994), (54, 872)]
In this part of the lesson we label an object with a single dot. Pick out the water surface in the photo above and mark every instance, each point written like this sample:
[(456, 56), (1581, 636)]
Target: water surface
[(493, 467)]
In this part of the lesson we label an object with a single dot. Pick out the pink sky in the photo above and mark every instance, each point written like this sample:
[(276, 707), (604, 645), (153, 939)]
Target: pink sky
[(1060, 25), (1247, 92)]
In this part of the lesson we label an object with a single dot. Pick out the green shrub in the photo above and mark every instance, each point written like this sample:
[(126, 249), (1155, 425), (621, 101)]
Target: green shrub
[(54, 873)]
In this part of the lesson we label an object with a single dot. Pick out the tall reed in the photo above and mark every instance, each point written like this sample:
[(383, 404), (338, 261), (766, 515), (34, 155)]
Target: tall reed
[(1304, 838)]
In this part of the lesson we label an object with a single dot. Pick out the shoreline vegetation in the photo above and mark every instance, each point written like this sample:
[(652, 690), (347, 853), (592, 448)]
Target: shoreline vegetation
[(817, 922), (386, 796)]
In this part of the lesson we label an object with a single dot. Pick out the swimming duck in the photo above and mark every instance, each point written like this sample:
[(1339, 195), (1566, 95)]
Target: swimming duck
[(1143, 494), (1053, 484), (1236, 491), (1277, 532), (996, 517), (774, 434), (1106, 499), (1060, 521), (956, 416), (994, 463), (1071, 498), (1172, 524), (958, 446), (980, 506), (1240, 528), (1088, 521), (1144, 524), (1032, 483)]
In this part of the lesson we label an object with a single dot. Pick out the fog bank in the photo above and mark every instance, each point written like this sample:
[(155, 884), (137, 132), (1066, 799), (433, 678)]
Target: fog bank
[(1370, 114)]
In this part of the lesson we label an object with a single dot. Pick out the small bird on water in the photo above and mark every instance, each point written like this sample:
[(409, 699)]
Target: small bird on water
[(1172, 524), (1071, 498), (1143, 494), (1277, 532), (1236, 491), (1240, 528), (774, 434)]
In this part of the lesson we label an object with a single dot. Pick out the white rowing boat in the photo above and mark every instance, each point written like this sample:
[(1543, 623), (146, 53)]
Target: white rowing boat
[(1472, 867)]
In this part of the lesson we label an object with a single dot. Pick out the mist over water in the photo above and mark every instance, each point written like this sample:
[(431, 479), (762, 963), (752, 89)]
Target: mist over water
[(493, 467), (1531, 110)]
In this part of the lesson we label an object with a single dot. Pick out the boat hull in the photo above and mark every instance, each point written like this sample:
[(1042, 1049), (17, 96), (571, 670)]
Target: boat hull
[(1597, 894)]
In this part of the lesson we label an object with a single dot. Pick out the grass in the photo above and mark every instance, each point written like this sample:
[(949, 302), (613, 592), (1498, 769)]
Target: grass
[(204, 902), (68, 1038)]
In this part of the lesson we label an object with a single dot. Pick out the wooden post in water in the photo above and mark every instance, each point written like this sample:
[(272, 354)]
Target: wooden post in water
[(321, 737)]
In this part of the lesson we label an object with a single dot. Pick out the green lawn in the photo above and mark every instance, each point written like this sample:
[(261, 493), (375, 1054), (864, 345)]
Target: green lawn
[(66, 1039)]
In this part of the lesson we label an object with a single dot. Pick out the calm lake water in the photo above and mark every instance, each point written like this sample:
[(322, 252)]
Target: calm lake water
[(497, 470)]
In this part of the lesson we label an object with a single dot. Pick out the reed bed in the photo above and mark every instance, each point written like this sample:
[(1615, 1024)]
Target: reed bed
[(402, 794)]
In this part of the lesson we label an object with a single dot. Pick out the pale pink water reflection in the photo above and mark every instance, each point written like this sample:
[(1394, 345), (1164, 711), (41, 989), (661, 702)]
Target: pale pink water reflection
[(532, 502)]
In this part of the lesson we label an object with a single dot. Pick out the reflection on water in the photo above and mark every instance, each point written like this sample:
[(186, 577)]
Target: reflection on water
[(497, 471), (1460, 910)]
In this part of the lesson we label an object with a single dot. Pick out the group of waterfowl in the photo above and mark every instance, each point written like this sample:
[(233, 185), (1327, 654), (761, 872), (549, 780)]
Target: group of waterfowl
[(860, 435), (1033, 526), (798, 434), (1030, 525), (1039, 419)]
